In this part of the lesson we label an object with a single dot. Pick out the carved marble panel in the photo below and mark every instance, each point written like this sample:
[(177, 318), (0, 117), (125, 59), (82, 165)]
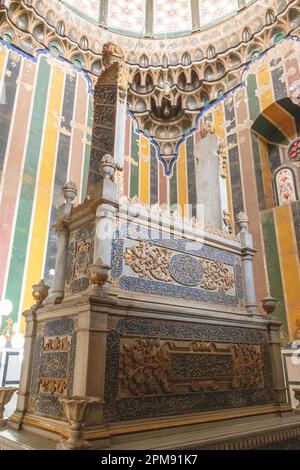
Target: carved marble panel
[(160, 368), (53, 366), (80, 257), (175, 267), (106, 95)]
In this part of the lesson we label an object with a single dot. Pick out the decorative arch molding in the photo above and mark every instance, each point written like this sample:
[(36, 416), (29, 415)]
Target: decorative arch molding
[(279, 123)]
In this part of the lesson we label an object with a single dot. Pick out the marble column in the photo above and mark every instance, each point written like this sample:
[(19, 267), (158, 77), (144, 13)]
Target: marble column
[(62, 230), (269, 305), (106, 212), (248, 253)]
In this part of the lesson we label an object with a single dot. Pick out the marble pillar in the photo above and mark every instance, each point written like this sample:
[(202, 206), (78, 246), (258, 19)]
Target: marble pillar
[(62, 230), (248, 253)]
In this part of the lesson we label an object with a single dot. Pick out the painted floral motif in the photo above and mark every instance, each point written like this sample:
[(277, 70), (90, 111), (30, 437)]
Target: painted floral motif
[(127, 16), (90, 8), (285, 186), (172, 15), (294, 151), (210, 11)]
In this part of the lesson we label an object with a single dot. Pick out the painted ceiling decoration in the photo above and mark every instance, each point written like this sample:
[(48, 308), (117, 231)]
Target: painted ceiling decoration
[(172, 79), (162, 16)]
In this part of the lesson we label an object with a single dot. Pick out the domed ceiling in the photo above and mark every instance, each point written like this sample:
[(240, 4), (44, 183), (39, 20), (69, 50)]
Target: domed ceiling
[(156, 17)]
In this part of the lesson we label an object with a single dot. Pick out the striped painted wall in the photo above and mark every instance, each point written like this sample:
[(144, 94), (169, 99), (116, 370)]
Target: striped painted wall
[(274, 116), (45, 132)]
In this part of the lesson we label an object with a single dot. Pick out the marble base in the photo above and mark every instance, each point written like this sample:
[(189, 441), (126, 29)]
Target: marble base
[(203, 380), (226, 434), (3, 422)]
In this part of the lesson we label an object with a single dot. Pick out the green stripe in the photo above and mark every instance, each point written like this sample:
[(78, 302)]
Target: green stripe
[(274, 157), (173, 186), (273, 265), (270, 132), (258, 172), (18, 257), (253, 100), (134, 178), (87, 152), (296, 218)]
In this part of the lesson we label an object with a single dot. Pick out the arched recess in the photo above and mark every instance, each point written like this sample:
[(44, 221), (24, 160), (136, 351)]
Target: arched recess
[(275, 136), (273, 132)]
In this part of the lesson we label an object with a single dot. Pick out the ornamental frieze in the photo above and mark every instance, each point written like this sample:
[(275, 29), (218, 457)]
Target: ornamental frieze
[(152, 366), (158, 263)]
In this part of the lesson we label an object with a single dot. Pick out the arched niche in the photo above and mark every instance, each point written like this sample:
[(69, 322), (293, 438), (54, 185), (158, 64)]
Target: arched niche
[(285, 186)]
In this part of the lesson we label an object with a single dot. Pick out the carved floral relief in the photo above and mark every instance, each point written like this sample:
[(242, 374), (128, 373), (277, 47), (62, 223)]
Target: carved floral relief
[(149, 261), (150, 366), (157, 263)]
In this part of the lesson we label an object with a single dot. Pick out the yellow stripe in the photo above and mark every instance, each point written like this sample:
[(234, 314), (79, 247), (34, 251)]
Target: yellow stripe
[(3, 53), (282, 119), (144, 170), (265, 81), (43, 193), (182, 181), (289, 263), (266, 173), (219, 121)]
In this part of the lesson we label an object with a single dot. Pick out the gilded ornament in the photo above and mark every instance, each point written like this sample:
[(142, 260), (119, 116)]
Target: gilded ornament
[(57, 344), (40, 292), (216, 276), (53, 386), (149, 261)]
